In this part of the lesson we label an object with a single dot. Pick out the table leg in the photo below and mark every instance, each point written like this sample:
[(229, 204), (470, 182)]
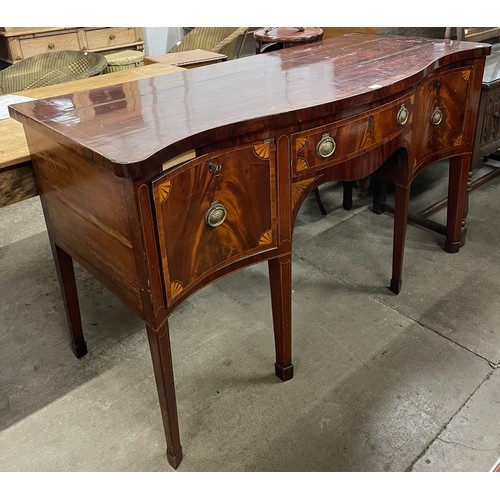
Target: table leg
[(280, 276), (347, 194), (159, 344), (379, 195), (401, 207), (457, 203), (67, 283)]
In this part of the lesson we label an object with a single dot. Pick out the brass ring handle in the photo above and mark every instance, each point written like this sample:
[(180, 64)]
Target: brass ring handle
[(326, 146), (215, 215), (403, 115), (50, 45), (436, 117), (112, 37)]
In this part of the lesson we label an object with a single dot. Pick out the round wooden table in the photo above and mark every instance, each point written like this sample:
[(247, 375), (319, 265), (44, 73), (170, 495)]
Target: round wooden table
[(267, 39)]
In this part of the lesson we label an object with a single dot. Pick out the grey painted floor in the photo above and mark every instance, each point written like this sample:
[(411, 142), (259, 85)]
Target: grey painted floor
[(382, 382)]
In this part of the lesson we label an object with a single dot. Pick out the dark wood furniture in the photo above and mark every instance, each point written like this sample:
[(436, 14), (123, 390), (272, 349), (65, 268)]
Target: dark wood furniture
[(486, 144), (266, 38), (262, 132), (488, 128)]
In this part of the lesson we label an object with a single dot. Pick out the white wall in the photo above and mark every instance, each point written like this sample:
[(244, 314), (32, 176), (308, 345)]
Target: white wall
[(160, 40)]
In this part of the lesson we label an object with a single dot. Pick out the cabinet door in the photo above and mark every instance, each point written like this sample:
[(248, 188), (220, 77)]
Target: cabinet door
[(213, 211), (443, 113)]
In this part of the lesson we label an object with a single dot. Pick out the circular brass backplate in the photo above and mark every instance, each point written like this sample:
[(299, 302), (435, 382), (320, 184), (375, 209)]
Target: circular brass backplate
[(326, 146), (403, 115), (437, 116), (215, 215)]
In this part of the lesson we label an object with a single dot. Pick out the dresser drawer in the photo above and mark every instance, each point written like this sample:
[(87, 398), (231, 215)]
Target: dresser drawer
[(213, 211), (339, 141), (50, 43), (443, 113), (104, 38)]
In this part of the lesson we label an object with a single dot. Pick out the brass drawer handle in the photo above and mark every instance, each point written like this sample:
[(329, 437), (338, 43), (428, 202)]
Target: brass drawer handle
[(326, 146), (403, 115), (216, 214), (51, 46), (112, 37), (436, 117)]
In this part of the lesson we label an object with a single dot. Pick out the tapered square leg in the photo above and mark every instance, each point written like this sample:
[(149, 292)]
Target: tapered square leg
[(379, 195), (280, 276), (347, 187), (159, 344), (458, 194), (67, 284), (401, 207)]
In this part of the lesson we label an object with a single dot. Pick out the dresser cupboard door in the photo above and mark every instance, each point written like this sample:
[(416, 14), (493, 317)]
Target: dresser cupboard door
[(213, 211)]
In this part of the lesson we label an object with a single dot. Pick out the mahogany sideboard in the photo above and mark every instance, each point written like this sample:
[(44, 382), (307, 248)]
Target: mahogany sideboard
[(159, 187)]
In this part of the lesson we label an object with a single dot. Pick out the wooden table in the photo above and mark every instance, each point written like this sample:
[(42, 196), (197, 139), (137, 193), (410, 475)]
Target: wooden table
[(16, 173), (267, 39), (188, 58), (264, 131)]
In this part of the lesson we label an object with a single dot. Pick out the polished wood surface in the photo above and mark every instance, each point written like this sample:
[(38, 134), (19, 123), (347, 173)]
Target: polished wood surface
[(14, 148), (16, 174), (159, 187), (276, 84)]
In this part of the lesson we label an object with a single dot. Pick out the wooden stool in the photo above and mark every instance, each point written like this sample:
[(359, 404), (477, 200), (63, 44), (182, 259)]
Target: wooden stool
[(267, 39)]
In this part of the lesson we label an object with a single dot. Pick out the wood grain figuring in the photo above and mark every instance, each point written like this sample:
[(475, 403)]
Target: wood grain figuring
[(244, 185), (448, 92), (352, 137), (159, 187), (91, 224)]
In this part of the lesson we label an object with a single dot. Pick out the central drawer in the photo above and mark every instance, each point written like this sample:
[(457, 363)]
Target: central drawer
[(339, 141), (213, 211)]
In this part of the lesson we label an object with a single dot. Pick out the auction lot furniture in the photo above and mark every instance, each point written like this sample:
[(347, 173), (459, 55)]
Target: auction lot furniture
[(252, 138)]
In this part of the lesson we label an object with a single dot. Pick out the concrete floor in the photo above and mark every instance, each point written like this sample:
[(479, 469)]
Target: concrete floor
[(382, 382)]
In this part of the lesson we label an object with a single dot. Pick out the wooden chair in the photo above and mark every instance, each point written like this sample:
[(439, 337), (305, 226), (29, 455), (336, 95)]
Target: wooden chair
[(50, 68), (227, 41)]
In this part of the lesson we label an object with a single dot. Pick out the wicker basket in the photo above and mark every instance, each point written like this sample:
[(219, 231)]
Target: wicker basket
[(50, 68), (126, 59)]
